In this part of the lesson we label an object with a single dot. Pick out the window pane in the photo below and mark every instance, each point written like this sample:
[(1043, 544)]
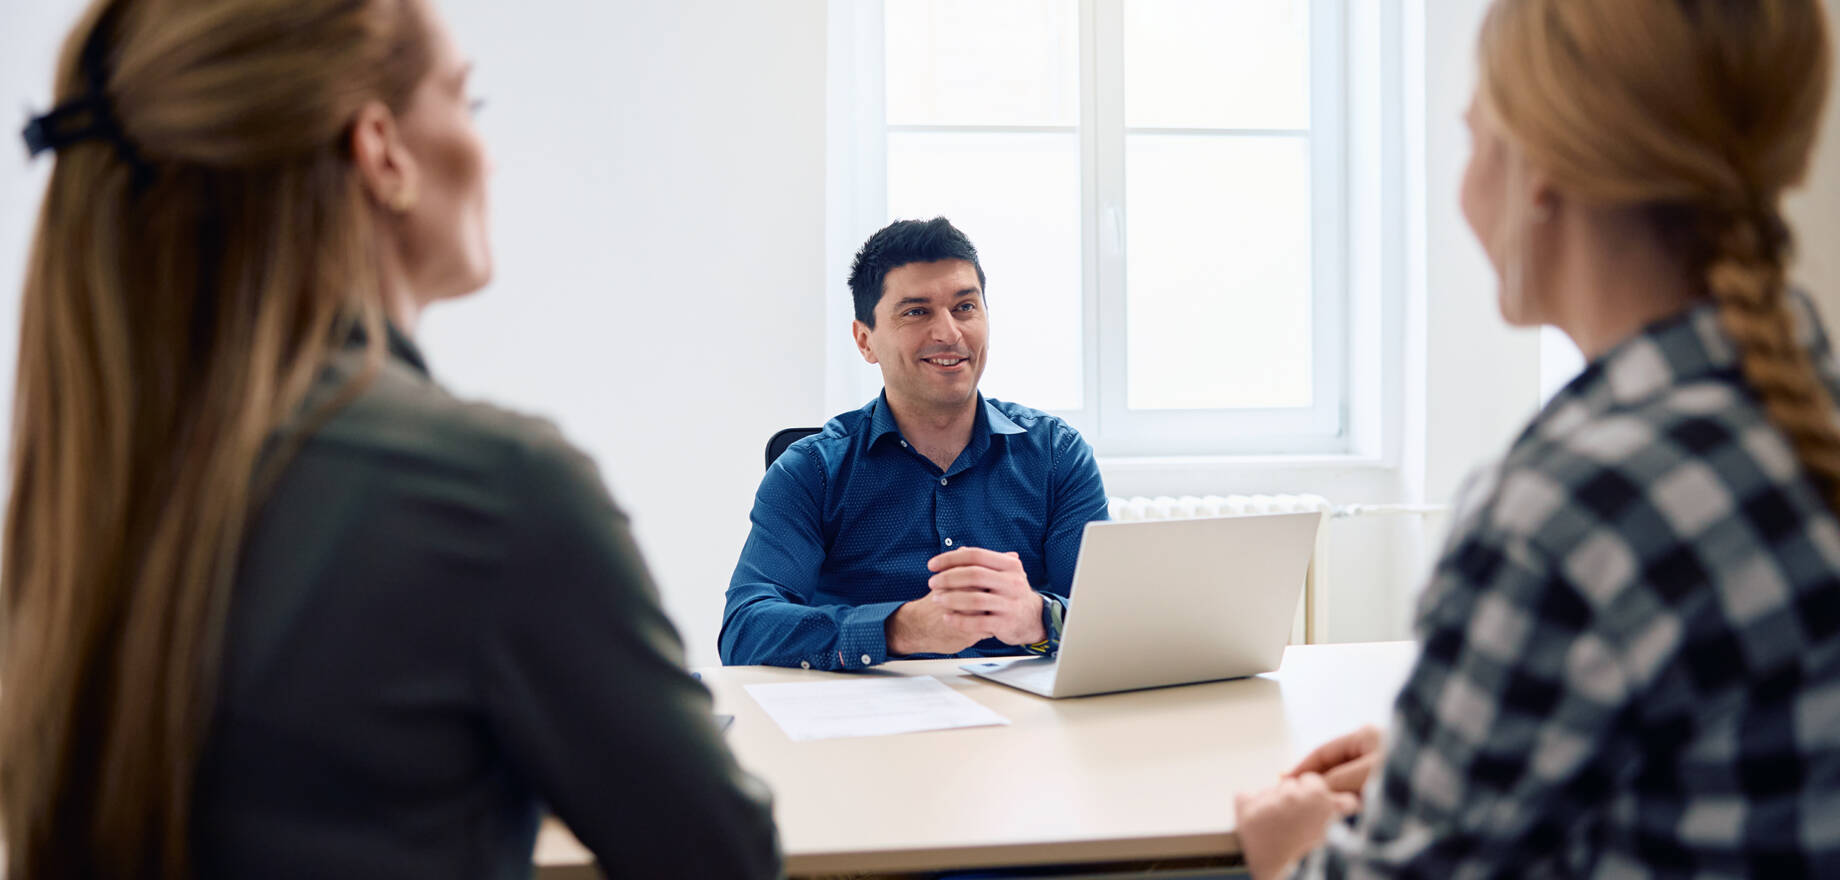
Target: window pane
[(1017, 196), (983, 62), (1217, 272), (1217, 63)]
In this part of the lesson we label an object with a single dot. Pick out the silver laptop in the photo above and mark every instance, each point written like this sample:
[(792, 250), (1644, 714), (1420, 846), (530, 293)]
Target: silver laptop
[(1173, 602)]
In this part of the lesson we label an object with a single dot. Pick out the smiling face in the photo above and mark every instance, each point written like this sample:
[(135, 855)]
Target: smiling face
[(930, 336)]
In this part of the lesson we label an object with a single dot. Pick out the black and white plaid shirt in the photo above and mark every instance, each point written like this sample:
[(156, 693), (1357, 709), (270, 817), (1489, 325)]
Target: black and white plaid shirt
[(1631, 662)]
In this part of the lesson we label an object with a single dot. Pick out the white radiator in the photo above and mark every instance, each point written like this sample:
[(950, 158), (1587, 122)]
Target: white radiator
[(1309, 624)]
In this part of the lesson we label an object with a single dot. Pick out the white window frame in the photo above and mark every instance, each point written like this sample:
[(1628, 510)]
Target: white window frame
[(1348, 393)]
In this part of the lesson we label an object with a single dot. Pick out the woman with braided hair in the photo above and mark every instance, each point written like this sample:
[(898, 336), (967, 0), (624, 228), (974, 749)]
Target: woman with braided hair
[(1631, 645)]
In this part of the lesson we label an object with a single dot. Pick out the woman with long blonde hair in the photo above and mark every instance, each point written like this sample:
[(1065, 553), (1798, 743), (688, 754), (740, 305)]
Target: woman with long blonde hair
[(273, 603), (1631, 646)]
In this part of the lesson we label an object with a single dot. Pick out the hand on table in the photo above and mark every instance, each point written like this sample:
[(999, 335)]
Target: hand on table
[(1283, 823), (989, 592), (1344, 762)]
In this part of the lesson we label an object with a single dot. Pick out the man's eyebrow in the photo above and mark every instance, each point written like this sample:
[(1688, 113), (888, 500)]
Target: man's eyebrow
[(927, 300)]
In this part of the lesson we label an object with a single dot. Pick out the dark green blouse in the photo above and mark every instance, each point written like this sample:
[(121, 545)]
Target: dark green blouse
[(440, 622)]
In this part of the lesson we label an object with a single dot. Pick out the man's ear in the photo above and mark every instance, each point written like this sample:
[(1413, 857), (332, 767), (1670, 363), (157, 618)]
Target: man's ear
[(384, 165), (860, 332)]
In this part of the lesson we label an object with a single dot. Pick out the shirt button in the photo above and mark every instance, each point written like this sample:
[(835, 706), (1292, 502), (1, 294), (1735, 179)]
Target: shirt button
[(948, 542), (903, 444), (942, 481), (804, 664), (866, 660)]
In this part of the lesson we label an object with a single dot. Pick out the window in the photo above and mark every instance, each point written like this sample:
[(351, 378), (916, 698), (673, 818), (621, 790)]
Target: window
[(1156, 189)]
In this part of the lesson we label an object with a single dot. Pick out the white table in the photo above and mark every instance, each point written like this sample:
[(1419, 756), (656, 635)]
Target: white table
[(1139, 775)]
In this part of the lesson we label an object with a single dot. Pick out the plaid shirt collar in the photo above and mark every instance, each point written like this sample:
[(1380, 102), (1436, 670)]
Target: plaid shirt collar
[(1671, 352)]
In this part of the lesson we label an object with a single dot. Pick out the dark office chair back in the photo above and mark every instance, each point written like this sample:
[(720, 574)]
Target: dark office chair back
[(776, 445)]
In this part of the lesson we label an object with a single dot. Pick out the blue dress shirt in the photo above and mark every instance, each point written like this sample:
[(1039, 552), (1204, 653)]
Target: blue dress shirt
[(846, 519)]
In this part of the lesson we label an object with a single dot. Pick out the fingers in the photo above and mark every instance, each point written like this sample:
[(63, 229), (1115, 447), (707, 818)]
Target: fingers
[(1001, 617), (1333, 753), (1279, 825), (924, 628), (1351, 776), (973, 628), (1327, 756), (975, 556), (1311, 787), (965, 629), (1338, 751), (1364, 741), (1307, 788), (970, 601), (977, 577), (1315, 762), (1295, 797)]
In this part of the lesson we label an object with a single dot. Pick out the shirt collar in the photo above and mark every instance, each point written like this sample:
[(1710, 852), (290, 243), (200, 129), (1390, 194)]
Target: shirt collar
[(397, 345), (1673, 351), (999, 423), (990, 421), (404, 349)]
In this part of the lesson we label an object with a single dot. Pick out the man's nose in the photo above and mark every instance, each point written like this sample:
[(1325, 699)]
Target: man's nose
[(945, 329)]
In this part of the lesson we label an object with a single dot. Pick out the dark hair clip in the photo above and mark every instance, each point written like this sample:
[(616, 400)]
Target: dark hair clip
[(86, 118), (90, 117)]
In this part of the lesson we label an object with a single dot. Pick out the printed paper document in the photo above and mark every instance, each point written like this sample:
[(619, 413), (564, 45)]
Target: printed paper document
[(869, 707)]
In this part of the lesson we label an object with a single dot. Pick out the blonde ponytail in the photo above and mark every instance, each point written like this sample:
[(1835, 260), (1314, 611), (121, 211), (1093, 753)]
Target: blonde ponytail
[(1747, 279)]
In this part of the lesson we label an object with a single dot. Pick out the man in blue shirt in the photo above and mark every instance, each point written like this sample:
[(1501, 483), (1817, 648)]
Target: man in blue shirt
[(930, 522)]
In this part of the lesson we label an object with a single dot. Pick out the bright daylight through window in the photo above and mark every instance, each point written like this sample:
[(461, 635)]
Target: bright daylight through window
[(1155, 188)]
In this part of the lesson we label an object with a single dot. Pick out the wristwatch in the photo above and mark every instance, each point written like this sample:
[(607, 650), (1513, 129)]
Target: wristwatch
[(1052, 616)]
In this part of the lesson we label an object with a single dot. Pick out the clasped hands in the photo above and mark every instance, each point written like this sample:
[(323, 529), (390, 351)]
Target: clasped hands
[(1281, 824), (973, 594)]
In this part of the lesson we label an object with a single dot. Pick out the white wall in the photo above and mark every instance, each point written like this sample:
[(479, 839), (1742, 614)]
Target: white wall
[(1480, 380), (30, 36), (659, 230), (658, 222), (1814, 211)]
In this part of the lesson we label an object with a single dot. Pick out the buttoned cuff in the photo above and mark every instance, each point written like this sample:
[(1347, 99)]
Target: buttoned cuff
[(862, 640)]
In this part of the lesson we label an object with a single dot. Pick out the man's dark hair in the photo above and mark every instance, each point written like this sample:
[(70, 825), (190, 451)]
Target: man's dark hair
[(900, 243)]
